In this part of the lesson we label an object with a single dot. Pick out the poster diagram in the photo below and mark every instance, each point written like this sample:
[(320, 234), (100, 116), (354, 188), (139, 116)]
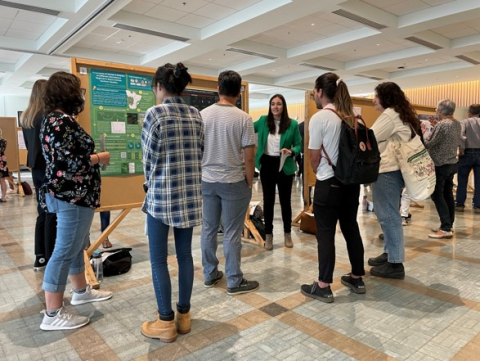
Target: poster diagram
[(118, 105)]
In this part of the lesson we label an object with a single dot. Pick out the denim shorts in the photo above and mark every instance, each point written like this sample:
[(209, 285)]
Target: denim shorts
[(73, 227)]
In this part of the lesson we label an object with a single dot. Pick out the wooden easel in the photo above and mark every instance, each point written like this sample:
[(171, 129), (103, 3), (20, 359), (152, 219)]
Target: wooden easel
[(124, 210), (249, 229)]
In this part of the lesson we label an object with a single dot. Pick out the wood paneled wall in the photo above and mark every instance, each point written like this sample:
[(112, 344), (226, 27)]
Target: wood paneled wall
[(463, 94)]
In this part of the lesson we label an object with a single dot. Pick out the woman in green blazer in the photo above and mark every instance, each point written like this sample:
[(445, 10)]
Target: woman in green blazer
[(277, 135)]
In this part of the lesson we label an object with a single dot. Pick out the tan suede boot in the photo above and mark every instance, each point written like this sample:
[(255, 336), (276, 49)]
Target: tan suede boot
[(288, 240), (165, 331), (269, 242), (184, 323)]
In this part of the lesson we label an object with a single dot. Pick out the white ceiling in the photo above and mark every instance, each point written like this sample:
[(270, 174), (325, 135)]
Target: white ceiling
[(281, 34)]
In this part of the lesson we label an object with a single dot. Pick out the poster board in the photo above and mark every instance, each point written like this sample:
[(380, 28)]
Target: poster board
[(9, 131), (120, 190), (368, 113)]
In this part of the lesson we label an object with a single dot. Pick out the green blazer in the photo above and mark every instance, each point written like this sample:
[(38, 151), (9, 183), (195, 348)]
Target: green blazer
[(290, 139)]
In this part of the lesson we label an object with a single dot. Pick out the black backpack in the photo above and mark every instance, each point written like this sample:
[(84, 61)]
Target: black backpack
[(358, 155), (118, 262)]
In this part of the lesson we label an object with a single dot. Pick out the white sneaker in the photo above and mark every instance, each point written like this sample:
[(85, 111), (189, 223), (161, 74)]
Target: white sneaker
[(63, 321), (404, 221), (90, 295)]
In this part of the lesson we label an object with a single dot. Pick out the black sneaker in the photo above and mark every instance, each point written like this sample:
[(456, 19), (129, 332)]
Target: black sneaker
[(381, 236), (40, 263), (213, 282), (244, 287), (315, 291), (389, 270), (355, 284), (378, 261)]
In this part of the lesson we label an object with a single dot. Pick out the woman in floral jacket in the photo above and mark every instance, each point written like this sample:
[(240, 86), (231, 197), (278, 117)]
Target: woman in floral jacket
[(72, 191)]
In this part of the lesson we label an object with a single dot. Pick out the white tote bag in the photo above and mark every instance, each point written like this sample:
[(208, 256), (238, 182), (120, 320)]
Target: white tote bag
[(417, 167)]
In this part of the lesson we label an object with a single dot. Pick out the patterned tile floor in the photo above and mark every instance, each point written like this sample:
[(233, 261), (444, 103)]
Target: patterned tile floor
[(434, 314)]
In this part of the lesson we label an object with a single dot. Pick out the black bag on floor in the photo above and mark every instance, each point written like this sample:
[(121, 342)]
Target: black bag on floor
[(118, 261)]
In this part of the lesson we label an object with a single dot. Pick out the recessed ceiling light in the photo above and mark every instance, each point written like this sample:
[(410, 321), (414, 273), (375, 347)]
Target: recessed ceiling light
[(210, 59), (378, 44), (313, 24)]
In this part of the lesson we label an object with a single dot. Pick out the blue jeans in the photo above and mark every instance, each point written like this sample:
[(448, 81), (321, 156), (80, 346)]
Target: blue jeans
[(73, 225), (467, 162), (104, 220), (228, 201), (158, 243), (442, 196), (387, 191)]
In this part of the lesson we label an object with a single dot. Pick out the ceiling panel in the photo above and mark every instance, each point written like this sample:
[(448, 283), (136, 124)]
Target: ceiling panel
[(36, 18), (188, 6), (165, 13), (195, 21), (215, 11), (139, 7), (8, 13), (406, 7), (235, 4)]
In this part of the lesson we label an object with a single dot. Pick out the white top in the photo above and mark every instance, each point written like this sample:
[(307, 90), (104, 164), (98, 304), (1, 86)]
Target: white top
[(324, 128), (273, 142), (228, 130), (387, 126)]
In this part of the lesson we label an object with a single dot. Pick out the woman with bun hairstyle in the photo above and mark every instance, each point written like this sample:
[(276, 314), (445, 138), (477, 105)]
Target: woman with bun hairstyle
[(277, 135), (172, 143)]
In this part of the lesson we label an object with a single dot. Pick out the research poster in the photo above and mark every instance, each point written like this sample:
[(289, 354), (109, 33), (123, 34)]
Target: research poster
[(118, 105)]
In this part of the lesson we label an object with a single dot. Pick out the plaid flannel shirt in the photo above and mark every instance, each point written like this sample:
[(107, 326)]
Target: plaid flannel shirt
[(172, 143)]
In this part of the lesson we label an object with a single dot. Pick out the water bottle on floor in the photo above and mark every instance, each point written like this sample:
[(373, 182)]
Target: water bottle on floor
[(97, 265)]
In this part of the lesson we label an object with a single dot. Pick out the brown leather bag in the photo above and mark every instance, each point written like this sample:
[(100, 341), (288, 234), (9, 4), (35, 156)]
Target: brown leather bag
[(307, 223)]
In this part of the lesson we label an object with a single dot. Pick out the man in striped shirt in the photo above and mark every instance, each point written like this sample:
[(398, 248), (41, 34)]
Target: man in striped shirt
[(227, 175), (469, 158)]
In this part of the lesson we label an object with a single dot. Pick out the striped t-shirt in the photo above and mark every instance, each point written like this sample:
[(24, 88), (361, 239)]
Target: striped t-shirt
[(228, 130)]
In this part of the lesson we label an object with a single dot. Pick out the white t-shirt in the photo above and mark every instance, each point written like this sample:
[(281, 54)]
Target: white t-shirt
[(324, 129), (228, 130), (273, 142)]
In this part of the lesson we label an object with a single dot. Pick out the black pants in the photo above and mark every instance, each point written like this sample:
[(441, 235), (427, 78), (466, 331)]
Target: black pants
[(442, 196), (334, 202), (271, 177), (46, 224)]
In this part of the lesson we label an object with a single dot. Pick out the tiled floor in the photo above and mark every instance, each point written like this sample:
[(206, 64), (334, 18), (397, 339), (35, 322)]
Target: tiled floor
[(434, 314)]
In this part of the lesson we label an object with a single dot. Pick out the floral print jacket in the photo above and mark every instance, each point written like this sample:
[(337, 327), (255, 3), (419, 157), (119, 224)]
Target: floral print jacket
[(66, 147)]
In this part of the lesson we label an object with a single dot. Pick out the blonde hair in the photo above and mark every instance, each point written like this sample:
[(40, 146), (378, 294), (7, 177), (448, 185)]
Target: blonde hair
[(35, 104)]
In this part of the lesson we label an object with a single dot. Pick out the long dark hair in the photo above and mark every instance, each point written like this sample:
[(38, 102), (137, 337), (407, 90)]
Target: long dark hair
[(174, 78), (284, 118), (336, 91), (391, 96), (63, 92)]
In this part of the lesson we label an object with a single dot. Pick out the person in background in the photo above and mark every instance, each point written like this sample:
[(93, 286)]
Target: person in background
[(4, 173), (443, 145), (172, 143), (104, 223), (46, 223), (398, 120), (333, 201), (227, 177), (72, 191), (469, 159), (277, 135)]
